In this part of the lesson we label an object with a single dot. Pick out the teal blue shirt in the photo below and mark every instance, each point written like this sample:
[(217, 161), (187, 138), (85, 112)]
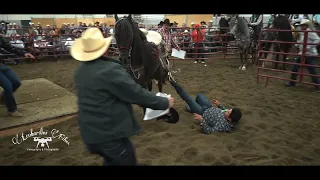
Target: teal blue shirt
[(316, 18)]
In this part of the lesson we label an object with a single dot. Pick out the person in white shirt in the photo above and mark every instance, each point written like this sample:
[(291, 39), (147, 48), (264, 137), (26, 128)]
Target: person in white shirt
[(10, 30), (311, 52), (16, 42)]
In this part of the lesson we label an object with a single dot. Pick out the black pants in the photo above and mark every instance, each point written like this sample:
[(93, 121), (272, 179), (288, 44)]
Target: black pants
[(115, 153), (309, 60), (10, 82), (199, 49)]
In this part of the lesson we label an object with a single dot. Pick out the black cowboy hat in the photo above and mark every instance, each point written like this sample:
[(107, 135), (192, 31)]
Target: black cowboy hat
[(203, 22), (171, 117), (161, 23), (167, 22)]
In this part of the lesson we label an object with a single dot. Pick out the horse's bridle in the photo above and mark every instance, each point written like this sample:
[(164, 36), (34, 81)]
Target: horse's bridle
[(128, 64)]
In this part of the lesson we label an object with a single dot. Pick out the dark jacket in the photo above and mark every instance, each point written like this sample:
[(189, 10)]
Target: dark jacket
[(105, 93), (7, 46)]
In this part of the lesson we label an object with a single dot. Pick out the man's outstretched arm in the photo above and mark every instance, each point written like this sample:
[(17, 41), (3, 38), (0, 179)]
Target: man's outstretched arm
[(7, 46)]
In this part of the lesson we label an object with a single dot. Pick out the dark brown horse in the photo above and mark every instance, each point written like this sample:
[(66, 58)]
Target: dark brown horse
[(140, 57), (282, 23)]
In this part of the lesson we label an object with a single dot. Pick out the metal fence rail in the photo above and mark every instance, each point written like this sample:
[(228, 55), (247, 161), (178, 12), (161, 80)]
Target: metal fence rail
[(302, 64)]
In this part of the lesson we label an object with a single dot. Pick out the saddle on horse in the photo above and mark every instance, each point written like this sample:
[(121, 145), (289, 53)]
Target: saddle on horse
[(159, 51)]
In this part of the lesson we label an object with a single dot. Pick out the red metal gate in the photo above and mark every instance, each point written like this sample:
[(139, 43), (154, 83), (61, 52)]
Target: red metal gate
[(302, 64)]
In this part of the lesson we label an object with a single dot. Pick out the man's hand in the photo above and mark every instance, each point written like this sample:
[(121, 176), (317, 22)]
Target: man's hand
[(178, 48), (197, 117), (171, 102), (28, 55), (215, 102)]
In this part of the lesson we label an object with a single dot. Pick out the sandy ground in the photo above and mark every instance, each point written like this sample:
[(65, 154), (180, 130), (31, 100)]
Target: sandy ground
[(280, 125)]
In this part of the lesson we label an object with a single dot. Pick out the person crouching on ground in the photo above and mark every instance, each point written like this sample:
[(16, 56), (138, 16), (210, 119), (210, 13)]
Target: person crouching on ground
[(211, 119), (9, 81), (105, 93)]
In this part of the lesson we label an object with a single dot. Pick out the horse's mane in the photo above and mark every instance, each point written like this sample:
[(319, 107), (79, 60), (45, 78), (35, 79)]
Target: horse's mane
[(123, 34), (282, 22), (223, 22), (243, 26), (129, 35)]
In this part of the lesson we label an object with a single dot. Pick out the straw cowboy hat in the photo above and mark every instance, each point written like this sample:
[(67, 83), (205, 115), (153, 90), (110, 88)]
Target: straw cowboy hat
[(90, 46), (305, 22), (152, 36), (192, 23), (144, 31)]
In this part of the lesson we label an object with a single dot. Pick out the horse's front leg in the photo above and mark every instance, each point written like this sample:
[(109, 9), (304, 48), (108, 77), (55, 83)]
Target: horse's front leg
[(160, 86), (147, 86), (241, 59), (245, 60), (284, 60), (277, 49)]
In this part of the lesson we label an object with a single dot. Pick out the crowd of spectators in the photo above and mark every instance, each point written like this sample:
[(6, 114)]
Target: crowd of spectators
[(38, 37)]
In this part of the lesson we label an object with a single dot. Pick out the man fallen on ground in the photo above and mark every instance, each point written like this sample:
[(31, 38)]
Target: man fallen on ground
[(105, 93), (211, 119)]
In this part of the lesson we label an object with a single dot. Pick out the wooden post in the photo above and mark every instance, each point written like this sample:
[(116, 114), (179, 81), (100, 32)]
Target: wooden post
[(187, 16)]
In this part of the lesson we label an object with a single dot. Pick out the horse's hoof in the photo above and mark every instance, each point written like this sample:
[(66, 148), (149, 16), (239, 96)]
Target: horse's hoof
[(243, 68)]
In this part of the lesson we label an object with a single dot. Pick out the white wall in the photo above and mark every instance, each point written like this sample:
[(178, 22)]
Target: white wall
[(8, 17)]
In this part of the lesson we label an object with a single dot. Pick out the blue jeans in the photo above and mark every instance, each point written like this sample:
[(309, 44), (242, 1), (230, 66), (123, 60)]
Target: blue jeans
[(115, 153), (10, 82), (198, 105), (312, 70)]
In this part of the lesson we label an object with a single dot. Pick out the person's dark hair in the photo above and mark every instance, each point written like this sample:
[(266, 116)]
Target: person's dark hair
[(235, 115)]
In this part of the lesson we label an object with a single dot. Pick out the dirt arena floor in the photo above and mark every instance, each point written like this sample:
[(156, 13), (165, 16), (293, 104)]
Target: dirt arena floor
[(280, 126)]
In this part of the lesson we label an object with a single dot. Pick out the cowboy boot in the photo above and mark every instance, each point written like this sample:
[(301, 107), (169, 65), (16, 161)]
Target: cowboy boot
[(15, 114)]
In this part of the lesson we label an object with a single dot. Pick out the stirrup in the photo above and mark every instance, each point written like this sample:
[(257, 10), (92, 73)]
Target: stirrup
[(170, 77)]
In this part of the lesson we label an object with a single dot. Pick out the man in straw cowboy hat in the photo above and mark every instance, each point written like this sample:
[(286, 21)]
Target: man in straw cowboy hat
[(311, 52), (105, 93), (9, 81)]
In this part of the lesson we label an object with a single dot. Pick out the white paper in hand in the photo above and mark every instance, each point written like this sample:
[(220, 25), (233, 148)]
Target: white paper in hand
[(151, 114), (178, 54)]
